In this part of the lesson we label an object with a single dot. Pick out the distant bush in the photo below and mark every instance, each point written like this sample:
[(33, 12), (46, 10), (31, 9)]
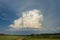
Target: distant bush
[(2, 34)]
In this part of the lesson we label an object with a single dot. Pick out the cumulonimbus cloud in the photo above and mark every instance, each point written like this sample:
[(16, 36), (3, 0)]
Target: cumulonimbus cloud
[(29, 19)]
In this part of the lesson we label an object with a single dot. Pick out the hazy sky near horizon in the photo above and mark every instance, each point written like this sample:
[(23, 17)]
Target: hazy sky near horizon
[(29, 16)]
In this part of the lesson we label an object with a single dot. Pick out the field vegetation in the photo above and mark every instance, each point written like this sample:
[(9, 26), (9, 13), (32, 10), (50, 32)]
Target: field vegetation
[(31, 37)]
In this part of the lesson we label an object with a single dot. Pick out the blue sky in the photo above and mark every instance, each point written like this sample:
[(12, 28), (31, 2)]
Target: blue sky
[(11, 10)]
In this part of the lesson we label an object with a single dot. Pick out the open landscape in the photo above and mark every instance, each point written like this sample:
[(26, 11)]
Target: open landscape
[(29, 19), (31, 37)]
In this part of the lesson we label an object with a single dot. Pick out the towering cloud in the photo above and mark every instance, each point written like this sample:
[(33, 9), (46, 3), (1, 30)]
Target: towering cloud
[(29, 19)]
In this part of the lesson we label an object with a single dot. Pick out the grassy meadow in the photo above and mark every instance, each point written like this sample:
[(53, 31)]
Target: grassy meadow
[(30, 37)]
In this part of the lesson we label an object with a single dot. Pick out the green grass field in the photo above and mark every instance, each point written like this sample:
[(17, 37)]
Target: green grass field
[(24, 38), (8, 37)]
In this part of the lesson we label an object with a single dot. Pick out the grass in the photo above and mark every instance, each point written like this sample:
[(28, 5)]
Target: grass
[(35, 38), (40, 39), (8, 37), (25, 38)]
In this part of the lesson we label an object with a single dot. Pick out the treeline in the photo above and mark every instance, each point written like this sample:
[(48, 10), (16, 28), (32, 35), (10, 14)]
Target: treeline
[(49, 35), (37, 34), (45, 34), (2, 34)]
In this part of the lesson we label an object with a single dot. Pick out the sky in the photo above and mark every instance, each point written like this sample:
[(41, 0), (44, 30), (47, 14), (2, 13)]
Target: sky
[(29, 16)]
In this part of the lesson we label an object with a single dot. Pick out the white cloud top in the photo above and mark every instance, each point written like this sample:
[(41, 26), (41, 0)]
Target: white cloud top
[(29, 19)]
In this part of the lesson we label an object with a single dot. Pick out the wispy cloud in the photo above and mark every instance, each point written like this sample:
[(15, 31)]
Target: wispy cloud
[(29, 19)]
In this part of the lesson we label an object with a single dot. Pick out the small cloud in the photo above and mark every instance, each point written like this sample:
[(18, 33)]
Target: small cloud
[(29, 19)]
